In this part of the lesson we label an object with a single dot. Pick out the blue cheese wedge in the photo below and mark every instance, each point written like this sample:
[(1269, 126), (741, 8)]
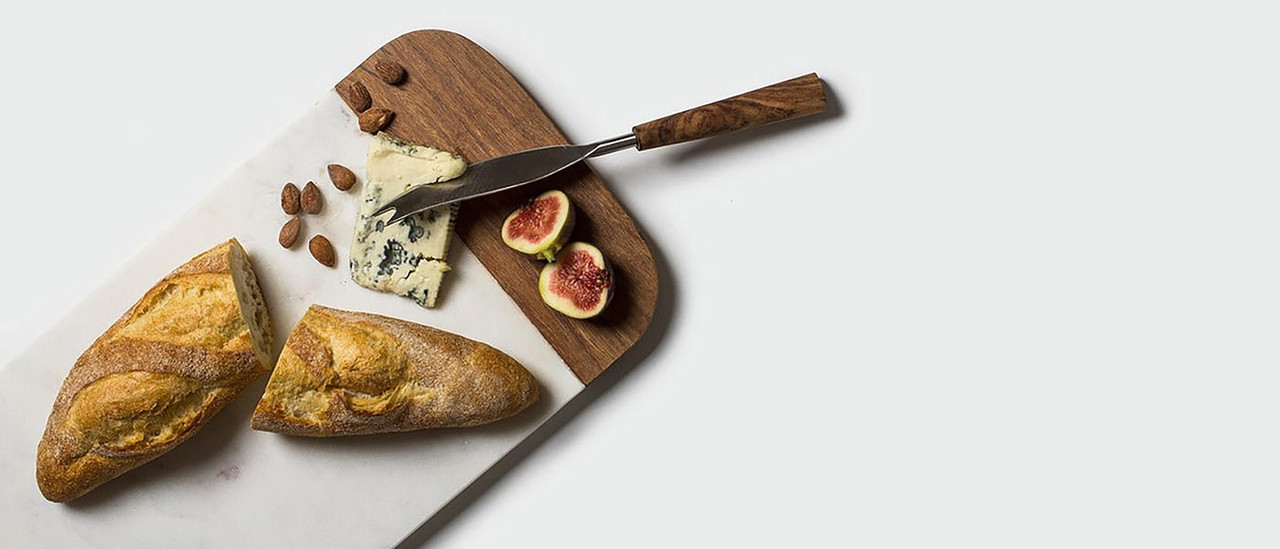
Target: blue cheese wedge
[(408, 257)]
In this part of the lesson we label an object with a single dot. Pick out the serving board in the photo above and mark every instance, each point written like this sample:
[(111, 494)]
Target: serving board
[(231, 486), (457, 97)]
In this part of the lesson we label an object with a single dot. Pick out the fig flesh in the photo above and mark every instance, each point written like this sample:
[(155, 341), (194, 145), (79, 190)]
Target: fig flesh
[(541, 226), (579, 283)]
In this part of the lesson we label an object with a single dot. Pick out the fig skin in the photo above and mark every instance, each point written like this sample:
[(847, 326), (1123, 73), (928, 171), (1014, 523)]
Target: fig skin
[(550, 244), (602, 286)]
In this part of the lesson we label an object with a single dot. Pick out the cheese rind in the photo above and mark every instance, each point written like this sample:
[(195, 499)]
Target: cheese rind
[(407, 258)]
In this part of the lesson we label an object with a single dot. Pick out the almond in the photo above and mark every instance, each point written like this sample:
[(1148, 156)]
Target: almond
[(290, 198), (389, 71), (322, 250), (289, 232), (373, 120), (312, 202), (341, 177), (355, 95)]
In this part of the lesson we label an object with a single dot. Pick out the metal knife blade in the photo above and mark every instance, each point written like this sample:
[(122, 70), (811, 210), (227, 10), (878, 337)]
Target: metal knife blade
[(498, 174), (794, 98)]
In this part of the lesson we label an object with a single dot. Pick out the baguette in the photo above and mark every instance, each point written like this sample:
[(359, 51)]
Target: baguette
[(350, 373), (191, 344)]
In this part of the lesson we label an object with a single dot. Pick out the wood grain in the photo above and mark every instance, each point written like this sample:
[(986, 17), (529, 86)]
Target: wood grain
[(457, 97), (800, 96)]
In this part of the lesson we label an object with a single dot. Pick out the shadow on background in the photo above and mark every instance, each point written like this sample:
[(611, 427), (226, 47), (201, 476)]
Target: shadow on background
[(664, 312)]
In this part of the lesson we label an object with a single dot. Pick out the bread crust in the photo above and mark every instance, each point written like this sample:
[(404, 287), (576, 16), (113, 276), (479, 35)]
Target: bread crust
[(154, 378), (352, 373)]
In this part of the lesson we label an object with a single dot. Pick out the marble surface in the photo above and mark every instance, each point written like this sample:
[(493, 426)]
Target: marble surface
[(267, 490)]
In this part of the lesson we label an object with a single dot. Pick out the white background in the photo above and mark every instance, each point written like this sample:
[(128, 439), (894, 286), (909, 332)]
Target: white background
[(1019, 290)]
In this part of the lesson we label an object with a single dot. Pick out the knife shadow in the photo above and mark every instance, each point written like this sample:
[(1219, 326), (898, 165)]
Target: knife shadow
[(667, 302)]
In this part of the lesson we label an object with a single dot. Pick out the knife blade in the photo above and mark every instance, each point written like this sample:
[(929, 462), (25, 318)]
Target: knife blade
[(498, 174), (794, 98)]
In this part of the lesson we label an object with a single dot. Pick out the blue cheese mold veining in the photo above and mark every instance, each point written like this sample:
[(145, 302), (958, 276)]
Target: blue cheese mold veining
[(406, 258)]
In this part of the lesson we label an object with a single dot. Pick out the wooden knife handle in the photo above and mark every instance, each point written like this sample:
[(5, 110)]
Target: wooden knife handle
[(793, 98)]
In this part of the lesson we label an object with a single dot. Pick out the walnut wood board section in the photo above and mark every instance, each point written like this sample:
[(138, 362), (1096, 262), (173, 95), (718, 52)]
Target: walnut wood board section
[(457, 97)]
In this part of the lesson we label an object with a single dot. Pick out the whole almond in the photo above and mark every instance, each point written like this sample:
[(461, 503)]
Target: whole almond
[(389, 71), (312, 202), (289, 232), (373, 120), (290, 198), (355, 95), (341, 177), (322, 250)]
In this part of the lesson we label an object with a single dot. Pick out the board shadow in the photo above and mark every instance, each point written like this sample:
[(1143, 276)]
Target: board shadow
[(664, 311)]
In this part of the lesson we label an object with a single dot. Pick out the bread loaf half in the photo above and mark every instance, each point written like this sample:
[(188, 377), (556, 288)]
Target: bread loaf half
[(348, 373), (191, 344)]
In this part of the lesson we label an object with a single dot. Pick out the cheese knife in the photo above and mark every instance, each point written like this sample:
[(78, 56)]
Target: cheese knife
[(794, 98)]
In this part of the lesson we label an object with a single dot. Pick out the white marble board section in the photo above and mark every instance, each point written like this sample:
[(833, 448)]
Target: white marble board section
[(230, 486)]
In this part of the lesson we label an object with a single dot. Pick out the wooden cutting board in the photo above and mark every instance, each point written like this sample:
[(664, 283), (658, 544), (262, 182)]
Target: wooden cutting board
[(457, 97)]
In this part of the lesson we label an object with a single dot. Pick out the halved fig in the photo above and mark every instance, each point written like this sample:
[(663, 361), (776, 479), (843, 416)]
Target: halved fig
[(579, 283), (541, 226)]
